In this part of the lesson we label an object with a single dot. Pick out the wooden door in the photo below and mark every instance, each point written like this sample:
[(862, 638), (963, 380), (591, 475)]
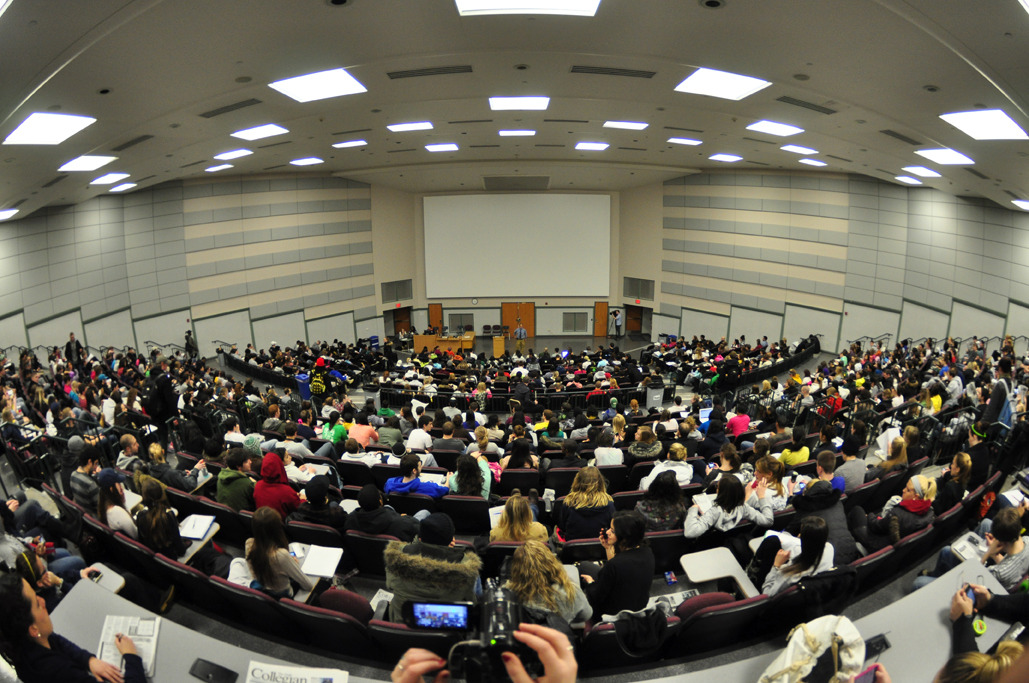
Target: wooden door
[(510, 312), (633, 319), (600, 319), (401, 320), (436, 316)]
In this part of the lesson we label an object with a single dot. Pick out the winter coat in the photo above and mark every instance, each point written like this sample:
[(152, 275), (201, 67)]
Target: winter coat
[(274, 490), (235, 489), (423, 572), (822, 500)]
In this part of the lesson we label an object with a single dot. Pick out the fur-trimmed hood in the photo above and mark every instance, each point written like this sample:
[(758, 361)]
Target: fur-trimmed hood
[(423, 572)]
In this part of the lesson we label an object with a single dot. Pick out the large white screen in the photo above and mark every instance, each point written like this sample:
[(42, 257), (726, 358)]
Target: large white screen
[(517, 245)]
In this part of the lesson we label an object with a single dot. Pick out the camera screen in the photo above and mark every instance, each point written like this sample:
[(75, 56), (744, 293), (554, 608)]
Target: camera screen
[(440, 616)]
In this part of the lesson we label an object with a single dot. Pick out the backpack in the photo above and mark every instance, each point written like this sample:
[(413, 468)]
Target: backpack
[(1007, 408), (828, 649), (318, 384)]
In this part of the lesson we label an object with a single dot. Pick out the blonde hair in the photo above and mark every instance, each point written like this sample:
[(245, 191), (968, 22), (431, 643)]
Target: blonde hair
[(589, 490), (516, 520), (157, 453), (617, 423), (774, 470), (481, 438), (976, 667), (534, 571), (691, 424), (898, 454), (677, 452), (927, 485)]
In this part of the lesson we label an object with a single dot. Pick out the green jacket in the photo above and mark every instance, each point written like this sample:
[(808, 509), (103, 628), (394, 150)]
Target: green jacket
[(235, 489)]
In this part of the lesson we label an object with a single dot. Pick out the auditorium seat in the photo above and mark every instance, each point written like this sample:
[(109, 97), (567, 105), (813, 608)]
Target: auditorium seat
[(393, 640), (191, 584), (783, 518), (615, 476), (368, 550), (560, 479), (313, 534), (184, 503), (446, 460), (411, 503), (637, 473), (230, 526), (668, 547), (133, 556), (910, 550), (252, 607), (469, 513), (521, 479), (328, 629), (582, 549), (947, 524), (717, 627), (495, 554), (890, 485), (872, 569), (626, 500), (354, 473), (861, 496), (600, 649)]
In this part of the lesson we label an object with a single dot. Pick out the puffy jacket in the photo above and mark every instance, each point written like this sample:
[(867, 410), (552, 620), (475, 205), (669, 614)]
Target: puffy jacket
[(235, 489), (274, 490), (429, 573), (822, 500)]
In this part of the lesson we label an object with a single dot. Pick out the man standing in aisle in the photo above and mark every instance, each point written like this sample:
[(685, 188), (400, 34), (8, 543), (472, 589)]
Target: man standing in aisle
[(520, 335), (618, 323)]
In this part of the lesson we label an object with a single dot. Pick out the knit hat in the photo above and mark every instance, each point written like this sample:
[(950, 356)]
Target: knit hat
[(317, 490), (614, 403), (437, 529), (108, 477), (368, 498), (398, 449), (252, 445), (76, 445)]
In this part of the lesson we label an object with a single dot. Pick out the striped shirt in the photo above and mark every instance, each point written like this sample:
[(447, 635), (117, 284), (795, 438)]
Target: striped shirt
[(1012, 568)]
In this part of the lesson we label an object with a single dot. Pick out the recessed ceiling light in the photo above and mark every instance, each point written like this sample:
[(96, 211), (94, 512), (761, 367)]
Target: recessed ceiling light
[(626, 125), (986, 124), (86, 163), (307, 161), (123, 187), (592, 146), (575, 8), (945, 156), (727, 158), (684, 141), (219, 167), (909, 180), (1020, 203), (722, 84), (258, 132), (350, 143), (234, 154), (109, 178), (1025, 4), (812, 162), (519, 133), (921, 171), (404, 127), (319, 86), (775, 128), (797, 149), (7, 213), (47, 129), (4, 4), (519, 103), (442, 147)]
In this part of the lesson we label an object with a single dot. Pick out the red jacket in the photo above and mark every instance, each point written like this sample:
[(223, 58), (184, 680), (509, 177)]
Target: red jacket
[(273, 489)]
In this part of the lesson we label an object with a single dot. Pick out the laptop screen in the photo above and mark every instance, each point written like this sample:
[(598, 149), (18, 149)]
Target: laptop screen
[(705, 414)]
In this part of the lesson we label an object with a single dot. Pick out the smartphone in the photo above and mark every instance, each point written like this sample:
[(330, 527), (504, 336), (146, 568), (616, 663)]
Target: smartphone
[(95, 575), (876, 645), (971, 595), (670, 578), (211, 672), (868, 675)]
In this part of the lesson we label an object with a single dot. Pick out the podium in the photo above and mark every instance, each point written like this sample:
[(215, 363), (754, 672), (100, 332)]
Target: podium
[(498, 347)]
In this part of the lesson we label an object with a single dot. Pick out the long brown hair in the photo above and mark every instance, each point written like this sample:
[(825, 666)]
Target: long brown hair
[(269, 536), (157, 514), (534, 571), (515, 521), (589, 490)]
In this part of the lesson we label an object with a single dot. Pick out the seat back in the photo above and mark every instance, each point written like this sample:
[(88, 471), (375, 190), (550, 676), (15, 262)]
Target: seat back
[(560, 479), (600, 649), (133, 556), (783, 518), (393, 640), (446, 459), (637, 473), (328, 629), (411, 503), (313, 534), (469, 513), (354, 473), (184, 503), (521, 479), (861, 496), (912, 548), (719, 626), (889, 486), (367, 551), (191, 584), (870, 568), (616, 477), (668, 547), (946, 526), (582, 549), (230, 526), (808, 468), (252, 606), (626, 500), (918, 465), (495, 555)]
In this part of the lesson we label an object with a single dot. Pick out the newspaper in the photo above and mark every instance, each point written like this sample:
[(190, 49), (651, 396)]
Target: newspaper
[(440, 479), (261, 672), (380, 596), (670, 601), (142, 630), (704, 501)]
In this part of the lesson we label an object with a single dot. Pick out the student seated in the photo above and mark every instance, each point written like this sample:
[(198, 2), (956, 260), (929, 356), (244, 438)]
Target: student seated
[(796, 452), (472, 477), (897, 460), (318, 509), (952, 484), (783, 559), (913, 511), (587, 508), (540, 582), (268, 557), (235, 487), (662, 507), (409, 481), (516, 523), (729, 509), (675, 463), (375, 518), (728, 465), (623, 583), (771, 471)]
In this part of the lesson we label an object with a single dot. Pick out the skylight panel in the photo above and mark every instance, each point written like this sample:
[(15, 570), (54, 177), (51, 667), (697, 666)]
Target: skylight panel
[(532, 103), (346, 144), (944, 156), (775, 128), (47, 129), (404, 127), (234, 154), (123, 187), (626, 125), (684, 141), (986, 124), (724, 84), (921, 171), (592, 146), (909, 180), (307, 161), (797, 149), (109, 178), (442, 147), (726, 158), (258, 132), (574, 8), (219, 167), (86, 163), (320, 85), (516, 133)]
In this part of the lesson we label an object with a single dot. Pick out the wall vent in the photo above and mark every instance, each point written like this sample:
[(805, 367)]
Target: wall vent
[(202, 161), (481, 146), (549, 145), (398, 151), (833, 156), (766, 142), (634, 149), (756, 163), (351, 132), (687, 130), (564, 121), (612, 71), (786, 99), (471, 121), (242, 104), (430, 71)]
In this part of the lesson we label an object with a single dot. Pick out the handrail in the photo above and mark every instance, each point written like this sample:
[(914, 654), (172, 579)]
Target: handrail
[(162, 346), (884, 335)]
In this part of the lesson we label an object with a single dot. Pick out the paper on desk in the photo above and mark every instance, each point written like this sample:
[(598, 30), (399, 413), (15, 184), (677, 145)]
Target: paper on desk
[(321, 561), (196, 526), (1014, 496), (380, 595), (440, 479), (704, 501), (260, 672), (318, 469), (298, 550), (142, 630), (349, 504)]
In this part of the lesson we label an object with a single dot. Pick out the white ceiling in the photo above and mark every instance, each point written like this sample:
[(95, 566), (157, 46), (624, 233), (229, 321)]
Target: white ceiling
[(165, 62)]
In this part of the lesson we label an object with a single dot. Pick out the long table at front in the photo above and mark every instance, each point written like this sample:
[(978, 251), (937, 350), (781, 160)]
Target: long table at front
[(80, 618), (462, 341)]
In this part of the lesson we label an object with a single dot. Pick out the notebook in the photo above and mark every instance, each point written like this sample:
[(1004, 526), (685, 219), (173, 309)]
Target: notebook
[(196, 526), (321, 561)]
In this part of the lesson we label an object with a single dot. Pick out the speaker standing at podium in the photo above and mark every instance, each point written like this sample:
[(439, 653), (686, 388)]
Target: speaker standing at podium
[(520, 335)]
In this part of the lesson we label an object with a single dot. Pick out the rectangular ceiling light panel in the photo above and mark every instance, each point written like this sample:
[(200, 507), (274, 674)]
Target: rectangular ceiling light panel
[(258, 132), (684, 141), (533, 103), (726, 158), (319, 86), (123, 187), (921, 171), (219, 167), (7, 213), (350, 143), (86, 163), (797, 149), (775, 128), (109, 179), (574, 8), (944, 156), (724, 84), (986, 124), (592, 146), (404, 127), (518, 133), (909, 180), (47, 129), (234, 154), (442, 147), (626, 125), (812, 162), (307, 161)]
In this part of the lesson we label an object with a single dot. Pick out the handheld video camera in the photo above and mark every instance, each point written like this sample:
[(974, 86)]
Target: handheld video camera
[(478, 658)]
